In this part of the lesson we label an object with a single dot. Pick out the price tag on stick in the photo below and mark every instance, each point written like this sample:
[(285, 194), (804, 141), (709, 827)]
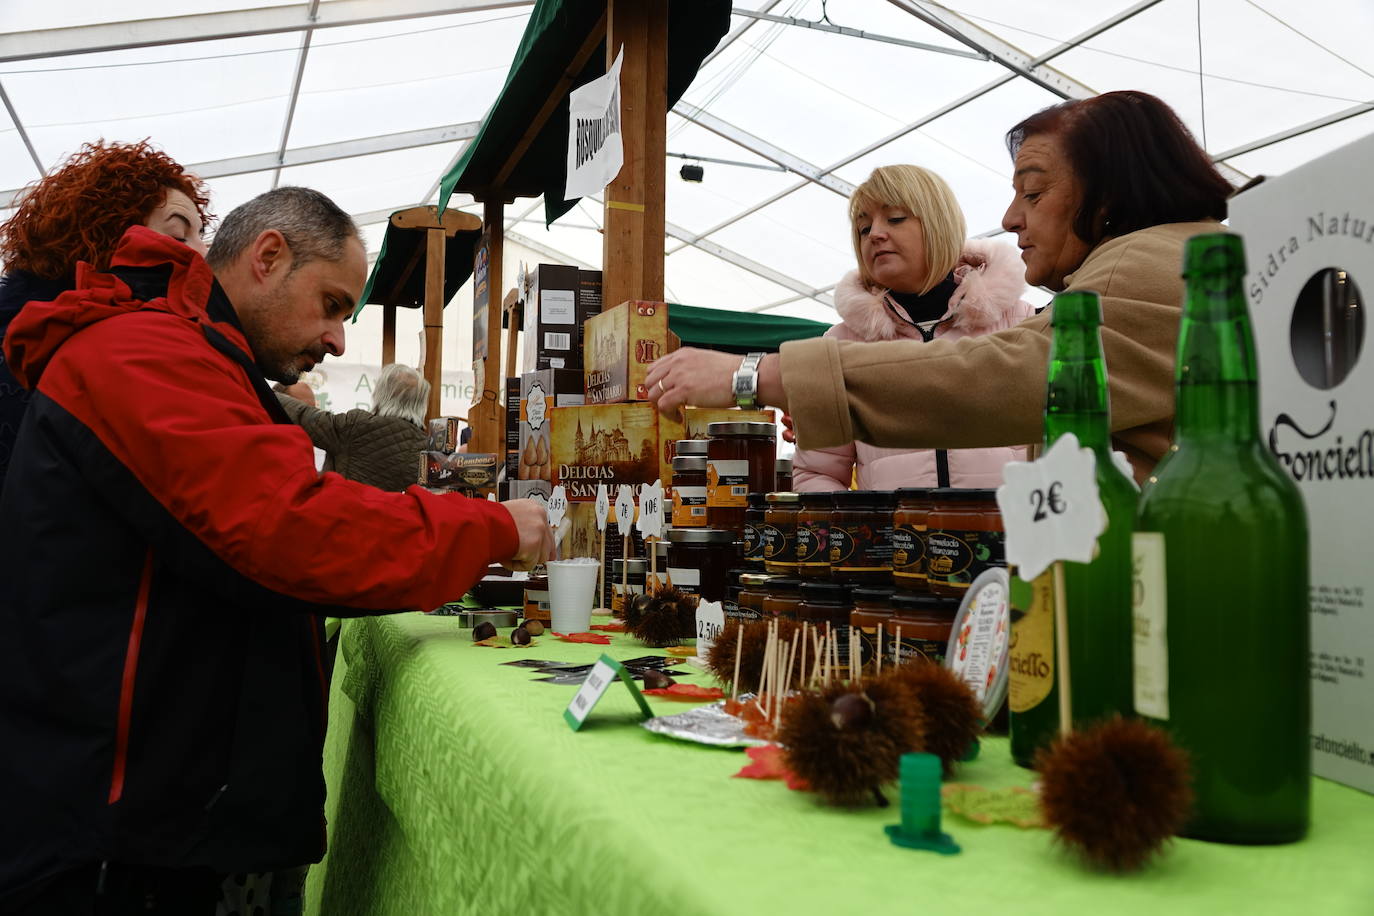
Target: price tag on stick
[(604, 673), (603, 506), (650, 522), (558, 506), (710, 623), (1051, 509), (624, 510)]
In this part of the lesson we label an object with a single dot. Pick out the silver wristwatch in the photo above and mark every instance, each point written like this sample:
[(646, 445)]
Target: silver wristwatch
[(746, 381)]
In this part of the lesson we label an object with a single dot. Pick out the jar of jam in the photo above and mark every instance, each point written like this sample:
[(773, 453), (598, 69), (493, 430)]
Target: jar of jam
[(753, 589), (627, 580), (780, 533), (695, 448), (871, 615), (753, 530), (964, 536), (740, 460), (920, 628), (825, 605), (782, 476), (700, 560), (658, 570), (861, 537), (689, 491), (537, 600), (813, 536), (909, 539), (782, 598)]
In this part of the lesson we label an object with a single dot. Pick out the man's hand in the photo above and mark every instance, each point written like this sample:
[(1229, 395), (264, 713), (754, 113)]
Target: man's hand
[(536, 538)]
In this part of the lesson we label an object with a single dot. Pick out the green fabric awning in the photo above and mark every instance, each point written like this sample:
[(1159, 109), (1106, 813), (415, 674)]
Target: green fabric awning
[(556, 30), (738, 332), (405, 249)]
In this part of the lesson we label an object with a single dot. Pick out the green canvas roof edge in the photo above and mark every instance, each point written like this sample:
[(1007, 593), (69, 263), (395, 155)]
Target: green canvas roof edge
[(738, 332)]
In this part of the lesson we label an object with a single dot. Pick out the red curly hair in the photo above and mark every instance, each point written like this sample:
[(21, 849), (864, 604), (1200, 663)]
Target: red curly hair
[(80, 211)]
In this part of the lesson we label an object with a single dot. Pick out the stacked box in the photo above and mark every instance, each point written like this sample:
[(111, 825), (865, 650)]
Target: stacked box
[(458, 471), (512, 427), (621, 343), (541, 392), (444, 434), (560, 299), (696, 419), (610, 444)]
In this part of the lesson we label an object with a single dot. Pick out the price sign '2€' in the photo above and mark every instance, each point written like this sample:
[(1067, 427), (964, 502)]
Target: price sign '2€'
[(1051, 509)]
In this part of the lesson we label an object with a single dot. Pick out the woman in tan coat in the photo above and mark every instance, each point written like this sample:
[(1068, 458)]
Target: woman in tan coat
[(1107, 191)]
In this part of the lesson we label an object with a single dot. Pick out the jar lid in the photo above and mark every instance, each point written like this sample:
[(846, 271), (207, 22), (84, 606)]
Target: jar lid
[(979, 643), (735, 428), (755, 579), (757, 500), (785, 497), (824, 593), (783, 466), (685, 447), (661, 549), (847, 499), (817, 500), (689, 463), (700, 536), (906, 493), (959, 494), (785, 586), (537, 584), (871, 593), (638, 566), (904, 601)]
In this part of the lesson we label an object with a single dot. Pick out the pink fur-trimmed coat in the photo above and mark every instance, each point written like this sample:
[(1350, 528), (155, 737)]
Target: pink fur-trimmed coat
[(991, 279)]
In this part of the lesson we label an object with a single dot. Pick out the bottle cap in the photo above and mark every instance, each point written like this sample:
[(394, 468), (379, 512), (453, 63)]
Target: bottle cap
[(1076, 308)]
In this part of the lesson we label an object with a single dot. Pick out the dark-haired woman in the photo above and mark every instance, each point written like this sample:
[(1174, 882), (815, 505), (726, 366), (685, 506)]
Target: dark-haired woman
[(1107, 191), (79, 213)]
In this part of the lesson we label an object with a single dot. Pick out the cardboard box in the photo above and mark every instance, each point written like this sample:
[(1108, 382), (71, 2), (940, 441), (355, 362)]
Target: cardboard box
[(696, 419), (466, 471), (445, 434), (512, 427), (1309, 239), (621, 344), (560, 299), (610, 444), (541, 392)]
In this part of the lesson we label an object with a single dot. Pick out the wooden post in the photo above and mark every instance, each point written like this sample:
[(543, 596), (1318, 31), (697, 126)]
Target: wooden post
[(510, 307), (632, 261), (434, 316), (388, 334), (486, 417)]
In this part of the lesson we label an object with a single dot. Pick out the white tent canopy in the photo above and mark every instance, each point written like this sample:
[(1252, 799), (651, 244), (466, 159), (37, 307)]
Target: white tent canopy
[(371, 100)]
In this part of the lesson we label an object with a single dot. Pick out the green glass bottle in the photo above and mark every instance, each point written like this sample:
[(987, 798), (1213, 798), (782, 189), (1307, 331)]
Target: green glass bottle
[(1098, 593), (1221, 617)]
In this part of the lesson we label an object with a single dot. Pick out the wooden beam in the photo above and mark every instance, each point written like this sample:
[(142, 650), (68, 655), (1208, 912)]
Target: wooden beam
[(388, 334), (510, 308), (434, 317), (486, 417), (632, 251), (452, 222), (559, 96)]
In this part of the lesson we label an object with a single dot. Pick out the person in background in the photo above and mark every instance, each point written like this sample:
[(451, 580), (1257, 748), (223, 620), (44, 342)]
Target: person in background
[(919, 279), (1107, 190), (79, 213), (162, 694), (379, 447)]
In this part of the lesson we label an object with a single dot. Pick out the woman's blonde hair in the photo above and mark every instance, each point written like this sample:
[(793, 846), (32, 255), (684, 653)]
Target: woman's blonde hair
[(923, 195)]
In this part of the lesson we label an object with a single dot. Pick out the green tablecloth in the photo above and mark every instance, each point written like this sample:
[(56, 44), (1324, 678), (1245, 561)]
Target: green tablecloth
[(456, 787)]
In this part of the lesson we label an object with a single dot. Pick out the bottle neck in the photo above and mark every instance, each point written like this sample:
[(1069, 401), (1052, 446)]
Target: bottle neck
[(1216, 379), (1076, 396)]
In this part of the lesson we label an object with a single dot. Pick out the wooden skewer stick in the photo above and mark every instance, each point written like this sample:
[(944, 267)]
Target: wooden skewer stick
[(1061, 631), (880, 647), (897, 648), (601, 572), (763, 671), (739, 645)]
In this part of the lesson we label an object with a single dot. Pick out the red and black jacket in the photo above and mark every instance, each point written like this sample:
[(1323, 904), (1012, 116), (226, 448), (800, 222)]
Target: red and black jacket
[(169, 550)]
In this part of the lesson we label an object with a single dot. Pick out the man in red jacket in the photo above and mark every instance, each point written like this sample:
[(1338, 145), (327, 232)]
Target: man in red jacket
[(170, 552)]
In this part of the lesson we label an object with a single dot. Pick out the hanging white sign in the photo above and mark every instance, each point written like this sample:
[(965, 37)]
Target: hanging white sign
[(595, 150)]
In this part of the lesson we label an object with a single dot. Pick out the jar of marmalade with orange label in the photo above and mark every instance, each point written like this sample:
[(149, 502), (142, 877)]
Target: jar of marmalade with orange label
[(689, 491), (740, 459), (753, 589), (964, 536)]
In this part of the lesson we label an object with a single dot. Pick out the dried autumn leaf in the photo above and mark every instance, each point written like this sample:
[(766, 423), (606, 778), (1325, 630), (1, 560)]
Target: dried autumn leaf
[(687, 692)]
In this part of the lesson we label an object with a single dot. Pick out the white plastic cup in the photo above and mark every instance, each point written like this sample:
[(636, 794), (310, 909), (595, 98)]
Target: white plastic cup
[(572, 585)]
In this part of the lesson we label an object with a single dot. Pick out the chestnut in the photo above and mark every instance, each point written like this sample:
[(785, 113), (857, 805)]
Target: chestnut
[(851, 710), (533, 627), (484, 630), (656, 680), (520, 637)]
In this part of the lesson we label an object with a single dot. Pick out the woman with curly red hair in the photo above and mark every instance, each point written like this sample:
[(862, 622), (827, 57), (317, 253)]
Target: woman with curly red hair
[(79, 213)]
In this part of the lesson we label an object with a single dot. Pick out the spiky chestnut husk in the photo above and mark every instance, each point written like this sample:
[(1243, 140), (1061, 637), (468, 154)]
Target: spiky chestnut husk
[(1115, 792), (952, 710), (847, 757), (634, 608), (665, 618), (720, 660)]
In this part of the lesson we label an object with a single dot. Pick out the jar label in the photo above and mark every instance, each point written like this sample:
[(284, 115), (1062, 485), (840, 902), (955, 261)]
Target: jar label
[(1030, 656), (861, 547), (689, 507), (976, 648), (777, 545), (727, 482), (908, 552), (1150, 618), (685, 580), (753, 543), (813, 544), (912, 650), (741, 613), (955, 558)]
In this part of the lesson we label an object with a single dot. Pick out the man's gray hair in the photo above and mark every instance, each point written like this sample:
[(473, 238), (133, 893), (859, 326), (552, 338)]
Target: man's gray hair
[(315, 228), (401, 392)]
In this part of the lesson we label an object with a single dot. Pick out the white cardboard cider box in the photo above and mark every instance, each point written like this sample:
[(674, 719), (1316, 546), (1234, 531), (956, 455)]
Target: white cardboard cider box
[(1309, 240)]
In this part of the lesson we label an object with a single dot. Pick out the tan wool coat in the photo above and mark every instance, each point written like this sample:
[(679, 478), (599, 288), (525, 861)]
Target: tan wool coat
[(979, 392)]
